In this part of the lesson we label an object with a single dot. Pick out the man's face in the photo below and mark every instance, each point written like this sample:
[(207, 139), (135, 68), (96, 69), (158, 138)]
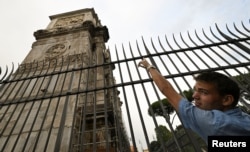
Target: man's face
[(206, 96)]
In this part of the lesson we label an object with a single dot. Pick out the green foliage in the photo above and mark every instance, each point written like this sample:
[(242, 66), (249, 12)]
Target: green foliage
[(155, 146), (184, 140), (157, 109), (162, 133), (188, 94), (244, 80), (179, 127), (245, 109), (243, 77)]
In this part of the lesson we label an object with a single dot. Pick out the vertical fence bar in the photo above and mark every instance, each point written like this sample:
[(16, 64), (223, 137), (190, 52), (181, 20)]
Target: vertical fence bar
[(106, 104), (65, 106), (136, 100), (6, 76), (37, 94), (146, 95), (166, 116), (126, 104), (193, 141), (117, 115), (82, 141), (30, 96), (75, 133), (44, 88), (25, 103), (14, 106), (222, 57), (94, 100), (62, 121)]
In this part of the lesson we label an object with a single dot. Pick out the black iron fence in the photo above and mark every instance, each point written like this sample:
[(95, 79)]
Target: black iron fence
[(67, 105)]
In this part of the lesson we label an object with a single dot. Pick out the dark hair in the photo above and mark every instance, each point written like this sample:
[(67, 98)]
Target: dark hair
[(224, 84)]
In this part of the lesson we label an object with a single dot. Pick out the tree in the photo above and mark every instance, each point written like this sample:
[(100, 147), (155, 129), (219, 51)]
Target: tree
[(155, 146), (188, 94), (244, 79), (162, 134), (157, 109), (244, 109)]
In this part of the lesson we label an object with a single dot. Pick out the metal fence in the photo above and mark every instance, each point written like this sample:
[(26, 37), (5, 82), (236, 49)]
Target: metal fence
[(111, 113), (179, 58)]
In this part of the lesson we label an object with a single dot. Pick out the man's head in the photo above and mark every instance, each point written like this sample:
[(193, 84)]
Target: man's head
[(215, 91)]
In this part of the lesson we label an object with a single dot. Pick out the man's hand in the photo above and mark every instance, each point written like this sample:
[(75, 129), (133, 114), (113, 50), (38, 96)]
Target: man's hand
[(143, 63), (164, 86)]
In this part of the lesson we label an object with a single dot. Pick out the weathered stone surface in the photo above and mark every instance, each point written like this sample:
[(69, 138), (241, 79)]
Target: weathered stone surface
[(56, 101)]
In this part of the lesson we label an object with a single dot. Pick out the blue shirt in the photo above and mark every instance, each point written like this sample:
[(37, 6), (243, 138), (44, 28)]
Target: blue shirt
[(206, 123)]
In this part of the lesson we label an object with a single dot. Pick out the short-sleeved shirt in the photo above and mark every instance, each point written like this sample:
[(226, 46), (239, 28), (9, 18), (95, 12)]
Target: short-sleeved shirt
[(206, 123)]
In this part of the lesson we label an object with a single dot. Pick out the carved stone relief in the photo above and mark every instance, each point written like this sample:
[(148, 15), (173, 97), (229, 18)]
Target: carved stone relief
[(67, 21), (55, 51)]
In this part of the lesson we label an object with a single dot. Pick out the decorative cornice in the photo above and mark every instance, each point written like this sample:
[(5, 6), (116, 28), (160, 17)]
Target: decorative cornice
[(81, 11), (86, 26), (102, 31)]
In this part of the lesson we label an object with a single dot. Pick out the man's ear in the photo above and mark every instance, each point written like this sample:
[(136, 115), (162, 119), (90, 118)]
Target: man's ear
[(228, 100)]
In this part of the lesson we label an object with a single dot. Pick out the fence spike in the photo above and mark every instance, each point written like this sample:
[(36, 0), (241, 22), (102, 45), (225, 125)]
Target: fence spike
[(176, 41), (183, 51), (243, 25), (6, 71), (168, 43), (240, 31)]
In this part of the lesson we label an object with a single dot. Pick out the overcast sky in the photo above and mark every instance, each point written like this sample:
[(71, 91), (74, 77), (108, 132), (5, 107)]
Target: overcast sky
[(126, 20)]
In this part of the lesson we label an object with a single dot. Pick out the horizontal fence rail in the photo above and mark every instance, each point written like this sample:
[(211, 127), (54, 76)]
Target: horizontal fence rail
[(113, 112)]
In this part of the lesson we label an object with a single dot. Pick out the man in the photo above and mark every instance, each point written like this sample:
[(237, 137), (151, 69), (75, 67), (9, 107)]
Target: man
[(215, 97)]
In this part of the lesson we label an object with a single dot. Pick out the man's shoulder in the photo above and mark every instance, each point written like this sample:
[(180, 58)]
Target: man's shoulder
[(185, 102), (237, 112)]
